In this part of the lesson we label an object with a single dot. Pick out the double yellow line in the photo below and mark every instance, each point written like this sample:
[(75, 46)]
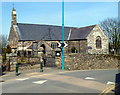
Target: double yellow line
[(107, 90)]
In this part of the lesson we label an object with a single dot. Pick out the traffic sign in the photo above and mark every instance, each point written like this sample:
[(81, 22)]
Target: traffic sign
[(62, 44)]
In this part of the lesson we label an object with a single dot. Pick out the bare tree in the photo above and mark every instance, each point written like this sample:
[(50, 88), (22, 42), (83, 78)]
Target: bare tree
[(0, 41), (3, 41), (111, 27), (0, 44)]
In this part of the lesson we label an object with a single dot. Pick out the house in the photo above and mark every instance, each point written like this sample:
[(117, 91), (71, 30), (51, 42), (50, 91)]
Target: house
[(29, 37)]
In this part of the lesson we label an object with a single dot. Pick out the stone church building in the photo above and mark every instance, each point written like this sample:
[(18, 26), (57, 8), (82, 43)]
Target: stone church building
[(34, 38)]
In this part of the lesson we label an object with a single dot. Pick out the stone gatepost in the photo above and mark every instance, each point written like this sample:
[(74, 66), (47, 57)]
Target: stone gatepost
[(11, 61), (58, 62), (58, 57)]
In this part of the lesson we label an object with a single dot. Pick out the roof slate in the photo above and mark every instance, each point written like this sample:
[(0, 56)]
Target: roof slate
[(51, 32), (41, 32), (81, 33)]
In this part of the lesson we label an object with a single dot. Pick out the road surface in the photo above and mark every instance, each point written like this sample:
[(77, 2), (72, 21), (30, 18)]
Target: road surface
[(60, 81)]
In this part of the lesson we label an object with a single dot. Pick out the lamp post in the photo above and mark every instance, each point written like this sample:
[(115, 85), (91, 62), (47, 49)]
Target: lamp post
[(63, 35), (17, 69), (41, 66), (41, 63), (17, 66)]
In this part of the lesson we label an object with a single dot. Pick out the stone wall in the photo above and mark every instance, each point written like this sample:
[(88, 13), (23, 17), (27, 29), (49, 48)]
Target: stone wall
[(24, 62), (47, 44), (91, 41), (86, 61), (13, 37), (80, 46), (24, 67)]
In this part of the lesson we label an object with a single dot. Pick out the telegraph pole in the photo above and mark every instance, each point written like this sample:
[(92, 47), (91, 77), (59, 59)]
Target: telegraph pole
[(63, 35)]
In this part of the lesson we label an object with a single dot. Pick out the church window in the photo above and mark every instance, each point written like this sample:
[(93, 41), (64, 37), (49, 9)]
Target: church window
[(34, 45), (29, 53), (54, 45), (18, 53), (98, 42), (74, 50)]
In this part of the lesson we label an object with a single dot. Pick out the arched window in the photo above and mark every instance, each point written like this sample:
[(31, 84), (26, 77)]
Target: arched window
[(73, 50), (54, 45), (44, 48), (98, 42)]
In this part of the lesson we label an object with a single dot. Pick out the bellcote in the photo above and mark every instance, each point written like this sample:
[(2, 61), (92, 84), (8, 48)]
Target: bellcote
[(14, 19)]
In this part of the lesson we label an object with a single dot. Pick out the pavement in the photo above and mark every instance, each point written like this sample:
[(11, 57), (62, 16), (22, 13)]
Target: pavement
[(53, 80)]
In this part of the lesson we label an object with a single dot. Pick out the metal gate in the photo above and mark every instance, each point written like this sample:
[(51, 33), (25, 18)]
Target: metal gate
[(50, 61)]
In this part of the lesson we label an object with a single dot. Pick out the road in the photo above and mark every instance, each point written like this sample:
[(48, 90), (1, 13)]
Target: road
[(59, 81)]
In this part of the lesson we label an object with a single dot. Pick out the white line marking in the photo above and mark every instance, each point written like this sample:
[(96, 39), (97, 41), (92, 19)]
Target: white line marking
[(40, 82), (111, 83), (22, 79), (89, 78)]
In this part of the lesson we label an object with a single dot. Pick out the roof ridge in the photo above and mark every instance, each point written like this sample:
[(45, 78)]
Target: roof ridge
[(47, 25), (88, 26), (84, 27)]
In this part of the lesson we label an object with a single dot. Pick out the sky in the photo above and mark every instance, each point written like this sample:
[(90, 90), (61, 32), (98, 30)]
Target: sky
[(77, 14)]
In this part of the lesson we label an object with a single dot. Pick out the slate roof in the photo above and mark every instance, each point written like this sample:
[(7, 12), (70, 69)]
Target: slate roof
[(81, 33), (51, 32), (41, 32)]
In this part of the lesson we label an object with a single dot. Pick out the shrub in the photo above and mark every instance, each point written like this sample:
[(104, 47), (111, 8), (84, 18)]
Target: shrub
[(8, 50)]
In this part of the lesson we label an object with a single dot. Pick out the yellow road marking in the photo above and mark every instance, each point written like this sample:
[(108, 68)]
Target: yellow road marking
[(108, 89), (63, 72), (42, 75), (32, 73), (47, 74)]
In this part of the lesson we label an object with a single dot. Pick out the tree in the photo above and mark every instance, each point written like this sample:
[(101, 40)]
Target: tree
[(3, 41), (3, 49), (111, 26)]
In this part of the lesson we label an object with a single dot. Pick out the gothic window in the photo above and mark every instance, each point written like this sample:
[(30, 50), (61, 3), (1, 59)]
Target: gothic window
[(54, 45), (34, 45), (44, 49), (98, 42), (24, 53), (18, 53), (29, 53), (74, 50)]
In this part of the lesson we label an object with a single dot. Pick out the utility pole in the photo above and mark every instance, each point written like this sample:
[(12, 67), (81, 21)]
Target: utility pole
[(63, 35)]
